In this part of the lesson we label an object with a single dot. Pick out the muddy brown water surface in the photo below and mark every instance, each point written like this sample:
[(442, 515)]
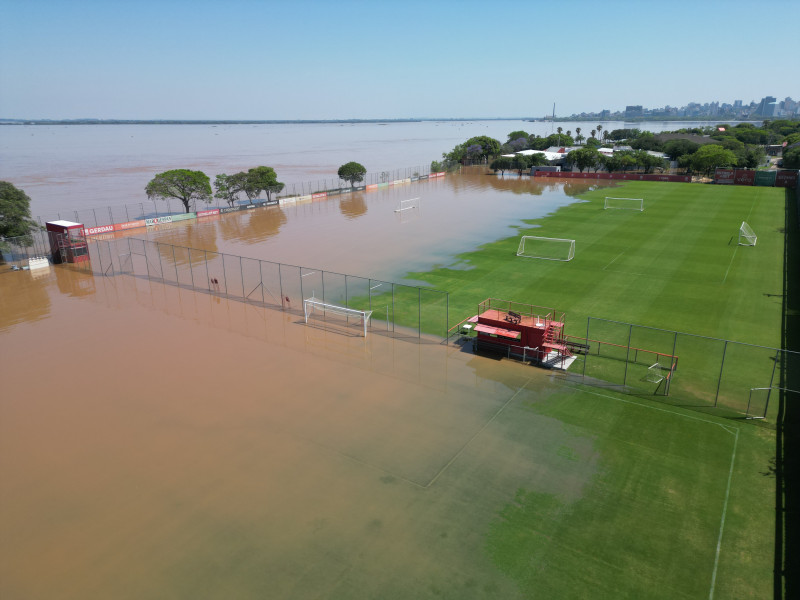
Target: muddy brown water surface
[(159, 442)]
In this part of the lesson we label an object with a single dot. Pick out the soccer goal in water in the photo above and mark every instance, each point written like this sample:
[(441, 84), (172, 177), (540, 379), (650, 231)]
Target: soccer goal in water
[(409, 204), (747, 237), (313, 307), (624, 203), (531, 246)]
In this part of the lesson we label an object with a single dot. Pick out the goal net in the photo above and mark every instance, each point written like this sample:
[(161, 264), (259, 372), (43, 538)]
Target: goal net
[(531, 246), (314, 307), (409, 204), (747, 237), (655, 373), (624, 203)]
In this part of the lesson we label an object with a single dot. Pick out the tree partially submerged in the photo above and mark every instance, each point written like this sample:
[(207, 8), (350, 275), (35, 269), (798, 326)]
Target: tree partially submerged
[(262, 179), (230, 186), (15, 211), (181, 184), (352, 172)]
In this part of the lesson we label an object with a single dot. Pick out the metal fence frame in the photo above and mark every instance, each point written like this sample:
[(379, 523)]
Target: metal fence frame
[(410, 311)]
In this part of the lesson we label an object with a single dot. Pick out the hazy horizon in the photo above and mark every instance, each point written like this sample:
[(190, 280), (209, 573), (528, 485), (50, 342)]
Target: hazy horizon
[(313, 60)]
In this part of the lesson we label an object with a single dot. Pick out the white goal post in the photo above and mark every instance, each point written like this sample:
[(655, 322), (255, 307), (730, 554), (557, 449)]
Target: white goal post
[(747, 237), (655, 373), (409, 204), (531, 246), (313, 305), (624, 203)]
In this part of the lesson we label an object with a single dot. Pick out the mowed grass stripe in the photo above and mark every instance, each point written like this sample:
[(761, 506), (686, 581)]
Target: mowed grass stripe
[(648, 523), (675, 266)]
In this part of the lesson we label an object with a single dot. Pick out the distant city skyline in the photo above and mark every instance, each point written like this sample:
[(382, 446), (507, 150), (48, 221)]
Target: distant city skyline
[(768, 107), (312, 59)]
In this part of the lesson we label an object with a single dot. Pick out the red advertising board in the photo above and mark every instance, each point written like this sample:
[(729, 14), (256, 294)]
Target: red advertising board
[(207, 213), (724, 176), (744, 177), (96, 230), (786, 179), (319, 196), (372, 186)]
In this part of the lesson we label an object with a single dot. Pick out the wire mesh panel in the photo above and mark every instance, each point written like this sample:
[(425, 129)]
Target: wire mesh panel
[(234, 283), (334, 288), (745, 367), (311, 283), (183, 266), (154, 262), (607, 354), (167, 262), (251, 280), (380, 302), (433, 312), (292, 292), (272, 285), (201, 280), (216, 273), (697, 377), (407, 310)]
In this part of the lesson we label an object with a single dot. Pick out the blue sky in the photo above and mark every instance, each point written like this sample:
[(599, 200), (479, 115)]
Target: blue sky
[(249, 59)]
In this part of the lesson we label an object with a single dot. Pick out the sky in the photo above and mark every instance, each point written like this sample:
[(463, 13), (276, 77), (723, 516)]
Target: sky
[(359, 59)]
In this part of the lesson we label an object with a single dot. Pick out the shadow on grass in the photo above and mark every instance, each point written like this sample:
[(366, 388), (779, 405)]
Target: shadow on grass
[(787, 493)]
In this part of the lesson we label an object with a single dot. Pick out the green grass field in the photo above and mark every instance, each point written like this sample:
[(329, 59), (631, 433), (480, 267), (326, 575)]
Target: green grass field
[(676, 266)]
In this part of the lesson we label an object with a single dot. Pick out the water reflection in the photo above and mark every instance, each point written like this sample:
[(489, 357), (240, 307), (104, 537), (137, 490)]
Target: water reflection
[(74, 282), (353, 206), (23, 296)]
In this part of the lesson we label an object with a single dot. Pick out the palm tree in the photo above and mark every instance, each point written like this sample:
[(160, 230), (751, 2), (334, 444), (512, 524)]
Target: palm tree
[(578, 134), (599, 129), (559, 130), (605, 135), (593, 133)]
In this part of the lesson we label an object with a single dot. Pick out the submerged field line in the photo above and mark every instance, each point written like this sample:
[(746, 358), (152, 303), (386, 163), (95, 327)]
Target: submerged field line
[(734, 431), (476, 434)]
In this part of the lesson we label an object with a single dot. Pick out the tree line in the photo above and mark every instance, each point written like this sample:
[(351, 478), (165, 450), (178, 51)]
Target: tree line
[(724, 146)]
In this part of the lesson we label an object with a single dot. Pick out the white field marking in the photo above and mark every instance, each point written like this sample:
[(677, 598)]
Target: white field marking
[(307, 274), (750, 212), (732, 430), (722, 521), (613, 261), (730, 264), (477, 433), (376, 286)]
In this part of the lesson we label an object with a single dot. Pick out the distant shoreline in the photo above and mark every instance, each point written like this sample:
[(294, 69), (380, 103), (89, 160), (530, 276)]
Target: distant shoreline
[(238, 122)]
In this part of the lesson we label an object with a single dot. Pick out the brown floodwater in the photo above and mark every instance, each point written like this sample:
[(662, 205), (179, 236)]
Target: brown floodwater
[(159, 442)]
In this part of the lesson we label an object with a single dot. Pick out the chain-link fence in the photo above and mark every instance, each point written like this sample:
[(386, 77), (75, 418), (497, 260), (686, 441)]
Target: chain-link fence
[(16, 251), (405, 310), (692, 370), (155, 209)]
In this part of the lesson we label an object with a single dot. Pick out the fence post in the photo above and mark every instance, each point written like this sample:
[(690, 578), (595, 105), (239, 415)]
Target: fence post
[(627, 356), (280, 283), (392, 306), (224, 275), (160, 263), (241, 272), (208, 276), (261, 281), (721, 367), (175, 263), (302, 294)]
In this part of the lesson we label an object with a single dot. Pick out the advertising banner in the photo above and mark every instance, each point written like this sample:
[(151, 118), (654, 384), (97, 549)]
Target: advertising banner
[(766, 178), (157, 220), (383, 185), (372, 186), (129, 225), (207, 213), (319, 196), (744, 177), (334, 192), (786, 179), (423, 176), (359, 188), (96, 230), (724, 176), (228, 209), (184, 217)]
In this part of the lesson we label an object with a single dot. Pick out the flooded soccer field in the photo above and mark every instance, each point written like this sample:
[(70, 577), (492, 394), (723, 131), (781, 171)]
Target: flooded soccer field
[(158, 441)]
